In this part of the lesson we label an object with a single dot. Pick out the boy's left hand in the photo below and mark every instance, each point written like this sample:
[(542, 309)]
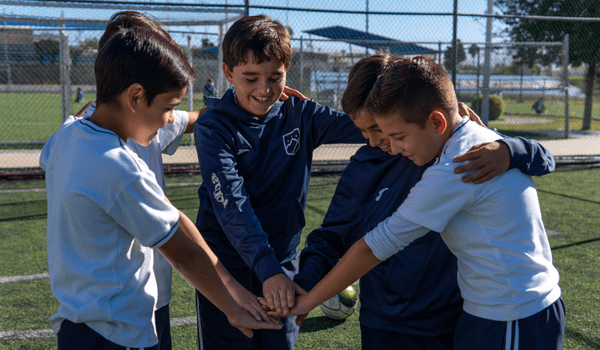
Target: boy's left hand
[(300, 310), (491, 158), (279, 293), (250, 303), (287, 92)]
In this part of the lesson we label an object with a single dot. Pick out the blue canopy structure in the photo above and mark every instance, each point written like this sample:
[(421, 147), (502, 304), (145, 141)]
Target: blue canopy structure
[(370, 41)]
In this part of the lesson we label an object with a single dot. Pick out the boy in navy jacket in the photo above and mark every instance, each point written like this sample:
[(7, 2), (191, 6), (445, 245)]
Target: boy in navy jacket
[(255, 155)]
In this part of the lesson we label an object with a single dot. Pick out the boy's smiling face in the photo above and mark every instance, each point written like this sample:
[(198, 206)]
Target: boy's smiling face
[(257, 85), (421, 145), (371, 131)]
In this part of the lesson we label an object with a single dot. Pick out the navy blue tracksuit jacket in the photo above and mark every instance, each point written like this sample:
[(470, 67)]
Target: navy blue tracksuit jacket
[(415, 291), (256, 175)]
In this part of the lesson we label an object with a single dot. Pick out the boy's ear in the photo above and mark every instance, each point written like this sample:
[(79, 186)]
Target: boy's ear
[(227, 73), (438, 119), (136, 94)]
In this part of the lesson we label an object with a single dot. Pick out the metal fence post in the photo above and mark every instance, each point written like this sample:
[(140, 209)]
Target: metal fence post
[(65, 81), (219, 61), (191, 86), (485, 101), (566, 79), (6, 59), (302, 88)]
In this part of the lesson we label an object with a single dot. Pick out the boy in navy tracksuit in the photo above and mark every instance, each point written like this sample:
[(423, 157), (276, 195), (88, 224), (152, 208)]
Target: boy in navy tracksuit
[(411, 298), (255, 155)]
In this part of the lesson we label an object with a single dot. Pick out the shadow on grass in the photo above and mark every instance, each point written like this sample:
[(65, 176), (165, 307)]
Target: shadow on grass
[(581, 338), (26, 204), (570, 197), (319, 323), (25, 210), (576, 244), (25, 218)]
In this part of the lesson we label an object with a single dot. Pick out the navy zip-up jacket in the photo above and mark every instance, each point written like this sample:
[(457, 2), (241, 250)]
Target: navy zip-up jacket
[(256, 174), (415, 291)]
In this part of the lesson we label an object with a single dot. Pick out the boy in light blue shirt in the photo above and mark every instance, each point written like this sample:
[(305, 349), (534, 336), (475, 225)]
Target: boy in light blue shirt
[(106, 211), (510, 287)]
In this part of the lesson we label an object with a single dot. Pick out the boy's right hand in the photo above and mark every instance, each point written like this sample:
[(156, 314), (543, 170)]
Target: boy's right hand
[(299, 317), (465, 111), (287, 92), (279, 293), (84, 108), (245, 322)]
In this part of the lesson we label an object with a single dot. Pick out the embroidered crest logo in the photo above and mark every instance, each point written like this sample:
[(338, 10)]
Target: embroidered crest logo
[(291, 142), (218, 194)]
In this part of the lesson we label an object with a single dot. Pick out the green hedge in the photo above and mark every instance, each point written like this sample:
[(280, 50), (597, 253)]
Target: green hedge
[(497, 106)]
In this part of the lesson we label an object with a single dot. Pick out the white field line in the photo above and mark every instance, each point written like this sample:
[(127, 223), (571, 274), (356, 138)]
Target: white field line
[(24, 190), (47, 333), (23, 278)]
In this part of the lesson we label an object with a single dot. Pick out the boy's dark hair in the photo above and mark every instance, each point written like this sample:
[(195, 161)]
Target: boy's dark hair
[(412, 88), (131, 19), (268, 40), (140, 55), (361, 79)]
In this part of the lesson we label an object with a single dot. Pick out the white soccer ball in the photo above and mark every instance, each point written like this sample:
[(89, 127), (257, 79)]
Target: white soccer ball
[(342, 305)]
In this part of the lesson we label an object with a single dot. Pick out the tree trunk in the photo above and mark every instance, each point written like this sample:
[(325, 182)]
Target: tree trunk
[(589, 97)]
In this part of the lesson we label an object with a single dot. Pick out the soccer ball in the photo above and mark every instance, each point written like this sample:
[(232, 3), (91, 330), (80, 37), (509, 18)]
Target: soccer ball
[(342, 305)]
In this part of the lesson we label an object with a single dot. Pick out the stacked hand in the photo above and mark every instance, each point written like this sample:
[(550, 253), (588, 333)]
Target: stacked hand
[(284, 298)]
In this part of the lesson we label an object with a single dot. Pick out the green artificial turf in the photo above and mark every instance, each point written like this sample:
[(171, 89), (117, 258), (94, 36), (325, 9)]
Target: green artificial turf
[(569, 198)]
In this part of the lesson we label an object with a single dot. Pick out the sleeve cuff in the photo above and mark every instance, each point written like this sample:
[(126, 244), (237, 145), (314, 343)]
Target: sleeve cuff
[(267, 267), (515, 149), (304, 283)]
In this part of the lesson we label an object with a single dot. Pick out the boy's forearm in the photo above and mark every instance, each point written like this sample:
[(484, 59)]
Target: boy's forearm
[(198, 265), (529, 156), (354, 264), (193, 117), (191, 231)]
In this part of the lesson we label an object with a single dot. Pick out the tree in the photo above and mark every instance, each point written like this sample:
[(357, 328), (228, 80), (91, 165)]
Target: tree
[(474, 51), (89, 45), (583, 44), (449, 53), (47, 50), (207, 43)]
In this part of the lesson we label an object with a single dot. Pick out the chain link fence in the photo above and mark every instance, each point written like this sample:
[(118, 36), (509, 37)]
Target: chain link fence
[(47, 53)]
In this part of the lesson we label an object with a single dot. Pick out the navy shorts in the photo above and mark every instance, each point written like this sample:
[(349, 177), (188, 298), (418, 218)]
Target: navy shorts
[(163, 327), (78, 336), (377, 339), (542, 331), (216, 333)]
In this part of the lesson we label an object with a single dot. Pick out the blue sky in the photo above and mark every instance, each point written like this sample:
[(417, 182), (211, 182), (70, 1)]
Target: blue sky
[(413, 28), (408, 28)]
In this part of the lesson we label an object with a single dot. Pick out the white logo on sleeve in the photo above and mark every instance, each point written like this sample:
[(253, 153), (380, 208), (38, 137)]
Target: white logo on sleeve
[(218, 193), (291, 142), (380, 193)]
